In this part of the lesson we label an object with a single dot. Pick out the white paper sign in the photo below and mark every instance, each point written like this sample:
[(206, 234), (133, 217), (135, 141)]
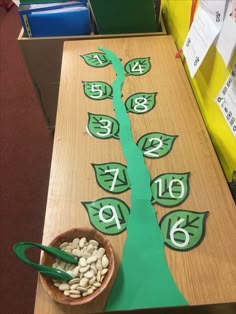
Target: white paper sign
[(205, 27), (226, 99), (226, 42)]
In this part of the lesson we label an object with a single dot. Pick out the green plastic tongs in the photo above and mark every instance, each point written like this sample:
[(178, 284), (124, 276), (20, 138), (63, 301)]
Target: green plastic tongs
[(20, 248)]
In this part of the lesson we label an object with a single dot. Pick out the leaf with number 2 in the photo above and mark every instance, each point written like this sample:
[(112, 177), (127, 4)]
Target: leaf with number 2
[(96, 59), (183, 230), (137, 66)]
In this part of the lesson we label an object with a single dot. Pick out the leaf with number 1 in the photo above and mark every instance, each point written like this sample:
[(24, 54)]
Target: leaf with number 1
[(96, 59), (137, 66), (183, 230)]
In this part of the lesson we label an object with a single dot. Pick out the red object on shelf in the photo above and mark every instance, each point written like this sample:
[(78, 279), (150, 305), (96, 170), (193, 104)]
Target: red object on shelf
[(6, 4)]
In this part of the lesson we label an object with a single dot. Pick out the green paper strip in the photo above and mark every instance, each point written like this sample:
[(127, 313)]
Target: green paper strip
[(144, 279)]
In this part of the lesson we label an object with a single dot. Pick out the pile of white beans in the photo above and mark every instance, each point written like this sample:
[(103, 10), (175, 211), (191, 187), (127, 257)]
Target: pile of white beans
[(89, 274)]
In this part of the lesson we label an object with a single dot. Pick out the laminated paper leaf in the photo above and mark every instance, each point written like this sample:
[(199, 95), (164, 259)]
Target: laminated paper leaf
[(155, 144), (108, 215), (103, 126), (112, 177), (96, 59), (183, 230), (138, 66), (97, 90), (140, 102), (170, 189)]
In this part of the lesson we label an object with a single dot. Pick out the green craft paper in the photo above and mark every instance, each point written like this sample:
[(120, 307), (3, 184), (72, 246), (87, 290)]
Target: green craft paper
[(144, 279)]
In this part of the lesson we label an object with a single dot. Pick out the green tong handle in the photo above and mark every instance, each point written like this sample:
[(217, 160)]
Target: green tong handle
[(20, 248)]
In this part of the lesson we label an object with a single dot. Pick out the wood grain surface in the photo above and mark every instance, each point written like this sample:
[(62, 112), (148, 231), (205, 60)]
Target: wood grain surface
[(206, 274)]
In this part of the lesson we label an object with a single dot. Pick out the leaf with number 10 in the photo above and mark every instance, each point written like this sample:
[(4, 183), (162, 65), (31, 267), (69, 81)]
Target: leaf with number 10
[(183, 230), (138, 66)]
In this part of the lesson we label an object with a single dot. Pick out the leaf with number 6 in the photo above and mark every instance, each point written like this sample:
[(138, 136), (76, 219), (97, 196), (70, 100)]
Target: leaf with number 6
[(96, 59), (183, 230), (140, 102), (102, 126), (97, 90), (137, 66), (156, 144), (108, 215), (112, 177), (170, 189)]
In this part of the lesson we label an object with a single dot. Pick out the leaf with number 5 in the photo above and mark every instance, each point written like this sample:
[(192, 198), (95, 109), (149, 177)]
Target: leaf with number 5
[(112, 177), (183, 230), (108, 215), (102, 126), (96, 59), (170, 189), (137, 66), (155, 144), (140, 102), (97, 90)]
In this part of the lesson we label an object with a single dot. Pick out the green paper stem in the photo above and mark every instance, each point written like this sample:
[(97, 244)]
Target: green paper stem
[(144, 279)]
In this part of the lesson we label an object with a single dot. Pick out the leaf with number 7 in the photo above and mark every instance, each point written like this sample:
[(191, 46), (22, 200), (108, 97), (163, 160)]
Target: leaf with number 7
[(170, 189), (183, 230), (137, 66)]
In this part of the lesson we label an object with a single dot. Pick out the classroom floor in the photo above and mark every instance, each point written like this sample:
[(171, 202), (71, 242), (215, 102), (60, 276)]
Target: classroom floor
[(25, 155)]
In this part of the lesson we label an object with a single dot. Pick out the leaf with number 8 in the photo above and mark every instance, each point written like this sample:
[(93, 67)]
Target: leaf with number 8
[(112, 177), (140, 102), (108, 215), (156, 144), (137, 66), (170, 189), (183, 230), (97, 90), (96, 59), (102, 126)]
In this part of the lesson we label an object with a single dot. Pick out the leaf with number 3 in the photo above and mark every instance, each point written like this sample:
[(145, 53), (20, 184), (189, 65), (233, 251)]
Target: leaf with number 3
[(97, 90), (156, 144), (108, 215), (137, 66), (140, 102), (170, 189), (102, 126), (96, 59), (183, 230), (112, 177)]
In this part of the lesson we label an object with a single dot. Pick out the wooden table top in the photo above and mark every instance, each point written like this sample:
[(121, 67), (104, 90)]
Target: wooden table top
[(205, 274)]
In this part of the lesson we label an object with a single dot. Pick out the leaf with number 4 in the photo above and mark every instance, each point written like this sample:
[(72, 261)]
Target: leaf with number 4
[(170, 189), (140, 102), (112, 177), (103, 126), (155, 144), (97, 90), (183, 230), (108, 215), (96, 59), (137, 66)]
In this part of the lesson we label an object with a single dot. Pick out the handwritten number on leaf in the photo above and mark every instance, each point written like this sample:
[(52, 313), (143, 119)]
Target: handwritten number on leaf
[(97, 90), (112, 177), (137, 66), (183, 230), (96, 59), (108, 215), (103, 126), (140, 102), (170, 189), (155, 144)]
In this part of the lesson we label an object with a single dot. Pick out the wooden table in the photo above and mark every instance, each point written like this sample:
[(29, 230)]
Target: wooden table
[(205, 274)]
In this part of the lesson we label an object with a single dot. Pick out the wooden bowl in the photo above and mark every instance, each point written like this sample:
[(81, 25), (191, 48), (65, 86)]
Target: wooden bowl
[(68, 236)]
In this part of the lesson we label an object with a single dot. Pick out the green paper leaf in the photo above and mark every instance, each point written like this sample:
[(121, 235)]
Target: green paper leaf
[(96, 59), (183, 230), (155, 144), (97, 90), (170, 189), (138, 66), (140, 102), (108, 215), (103, 126), (112, 177)]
